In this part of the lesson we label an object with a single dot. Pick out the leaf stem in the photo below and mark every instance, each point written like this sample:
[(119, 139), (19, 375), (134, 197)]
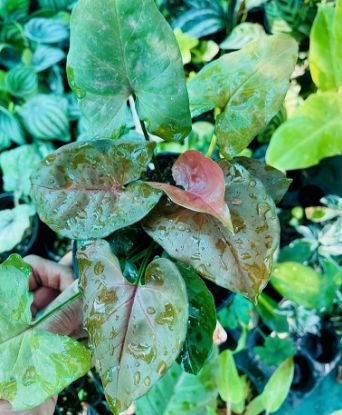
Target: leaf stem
[(229, 408), (145, 261), (212, 146)]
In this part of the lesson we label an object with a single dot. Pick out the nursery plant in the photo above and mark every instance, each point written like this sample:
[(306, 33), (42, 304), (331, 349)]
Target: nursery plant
[(148, 241)]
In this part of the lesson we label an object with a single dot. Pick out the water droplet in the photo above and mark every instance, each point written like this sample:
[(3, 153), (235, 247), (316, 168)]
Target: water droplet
[(137, 378), (99, 268), (147, 381), (162, 368)]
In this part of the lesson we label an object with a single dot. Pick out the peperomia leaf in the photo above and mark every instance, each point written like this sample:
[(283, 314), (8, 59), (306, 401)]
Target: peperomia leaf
[(204, 186), (10, 129), (248, 86), (311, 135), (90, 189), (240, 262), (275, 181), (47, 30), (21, 81), (180, 393), (201, 324), (125, 49), (34, 365), (136, 331), (13, 225)]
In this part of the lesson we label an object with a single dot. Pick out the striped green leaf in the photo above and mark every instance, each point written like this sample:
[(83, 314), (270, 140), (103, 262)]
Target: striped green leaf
[(44, 30), (21, 81), (46, 56), (12, 10), (56, 4), (10, 129), (45, 117)]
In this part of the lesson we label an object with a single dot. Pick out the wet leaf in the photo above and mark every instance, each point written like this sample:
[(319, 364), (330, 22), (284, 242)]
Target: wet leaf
[(311, 135), (275, 350), (34, 365), (180, 393), (239, 262), (275, 181), (136, 331), (90, 189), (203, 181), (201, 324), (125, 49), (248, 86)]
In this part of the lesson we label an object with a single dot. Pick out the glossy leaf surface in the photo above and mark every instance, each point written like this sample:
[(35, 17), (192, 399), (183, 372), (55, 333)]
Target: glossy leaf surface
[(136, 331), (311, 135), (203, 183), (181, 393), (34, 365), (239, 262), (201, 323), (90, 189), (275, 181), (248, 86), (121, 48)]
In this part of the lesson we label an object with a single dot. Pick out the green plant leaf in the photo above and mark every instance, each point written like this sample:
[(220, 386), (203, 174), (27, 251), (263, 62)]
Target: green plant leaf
[(301, 284), (135, 331), (13, 225), (125, 49), (248, 86), (205, 51), (310, 136), (21, 81), (185, 43), (181, 393), (239, 262), (46, 118), (270, 314), (275, 350), (242, 35), (201, 323), (46, 56), (231, 388), (10, 129), (13, 10), (17, 165), (56, 5), (90, 189), (238, 313), (275, 182), (47, 30), (325, 64), (34, 365), (299, 250)]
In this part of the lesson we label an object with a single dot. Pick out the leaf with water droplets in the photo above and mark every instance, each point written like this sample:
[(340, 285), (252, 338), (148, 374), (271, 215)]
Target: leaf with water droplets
[(124, 48), (240, 262), (34, 364), (203, 182), (248, 86), (136, 331), (90, 189)]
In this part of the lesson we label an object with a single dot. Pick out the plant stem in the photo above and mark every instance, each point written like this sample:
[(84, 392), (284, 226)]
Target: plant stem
[(212, 146), (229, 409), (145, 261)]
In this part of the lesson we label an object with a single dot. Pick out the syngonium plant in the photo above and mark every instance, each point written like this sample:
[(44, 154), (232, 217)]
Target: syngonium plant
[(145, 242)]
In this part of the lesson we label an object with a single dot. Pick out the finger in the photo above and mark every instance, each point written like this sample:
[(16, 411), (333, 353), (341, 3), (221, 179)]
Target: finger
[(220, 334), (66, 260), (47, 273), (46, 408), (43, 296)]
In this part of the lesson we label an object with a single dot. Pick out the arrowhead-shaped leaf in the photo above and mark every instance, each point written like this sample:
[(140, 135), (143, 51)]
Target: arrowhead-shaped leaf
[(90, 189), (311, 135), (248, 86), (34, 365), (136, 331), (204, 186), (241, 262), (121, 48)]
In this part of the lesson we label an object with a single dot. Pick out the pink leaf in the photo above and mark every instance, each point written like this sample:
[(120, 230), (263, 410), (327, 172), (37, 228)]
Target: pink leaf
[(203, 183)]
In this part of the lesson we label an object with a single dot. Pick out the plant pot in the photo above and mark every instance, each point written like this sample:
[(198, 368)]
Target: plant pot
[(53, 246), (26, 246)]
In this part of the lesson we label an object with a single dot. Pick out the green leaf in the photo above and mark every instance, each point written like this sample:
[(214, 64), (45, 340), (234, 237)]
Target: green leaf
[(185, 43), (239, 262), (275, 350), (17, 165), (180, 393), (242, 35), (299, 250), (135, 331), (201, 324), (10, 129), (47, 30), (271, 315), (248, 86), (34, 365), (238, 313), (275, 182), (56, 5), (13, 225), (230, 386), (90, 189), (45, 117), (256, 406), (46, 56), (21, 81), (13, 10), (310, 136), (205, 51), (325, 64), (127, 49), (301, 284)]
